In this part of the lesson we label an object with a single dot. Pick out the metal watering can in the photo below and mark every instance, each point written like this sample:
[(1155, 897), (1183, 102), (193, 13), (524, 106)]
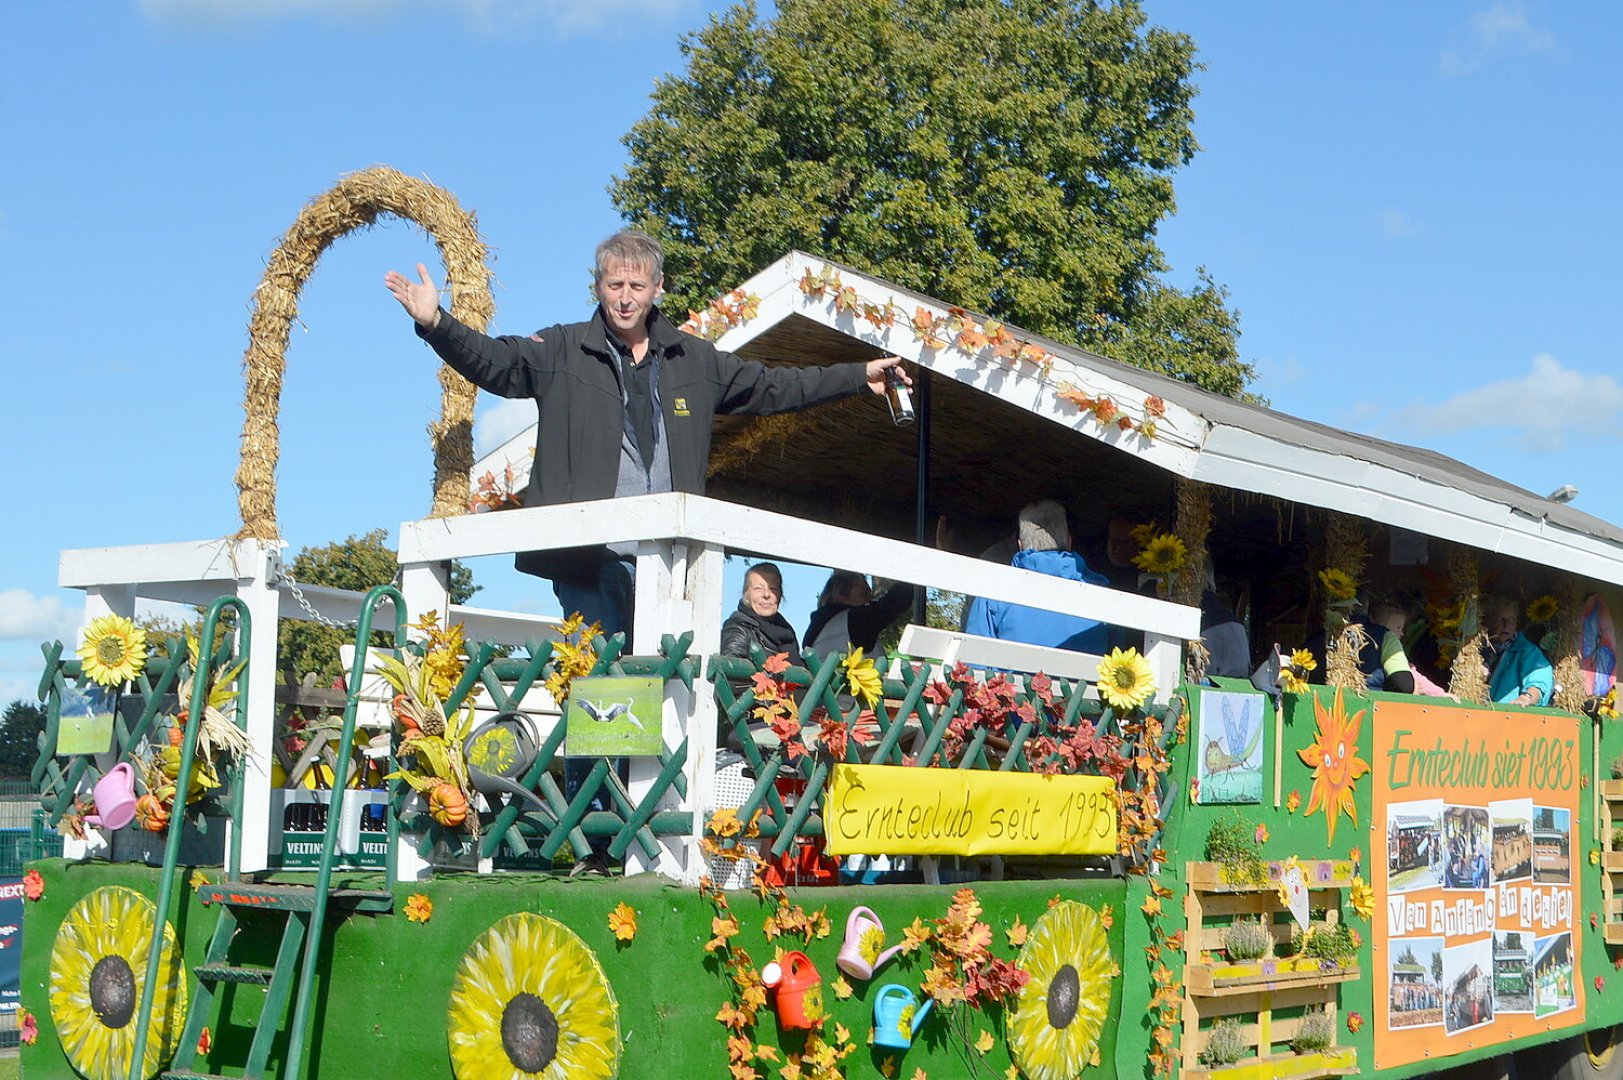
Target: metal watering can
[(798, 990), (115, 798), (896, 1016), (863, 927)]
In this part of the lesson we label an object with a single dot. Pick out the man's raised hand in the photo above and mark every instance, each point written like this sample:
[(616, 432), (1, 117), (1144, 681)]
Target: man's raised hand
[(421, 299)]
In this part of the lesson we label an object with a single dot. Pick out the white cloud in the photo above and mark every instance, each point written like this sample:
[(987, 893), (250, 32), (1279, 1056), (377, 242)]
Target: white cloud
[(21, 688), (1500, 32), (489, 17), (495, 425), (26, 617), (1539, 408), (1395, 222)]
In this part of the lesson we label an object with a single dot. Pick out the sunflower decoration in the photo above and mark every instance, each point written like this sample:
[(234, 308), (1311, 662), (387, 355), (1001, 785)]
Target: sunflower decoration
[(862, 677), (1294, 671), (1055, 1021), (98, 968), (114, 650), (1333, 757), (1125, 680), (1542, 609), (529, 999), (1338, 585), (1160, 556)]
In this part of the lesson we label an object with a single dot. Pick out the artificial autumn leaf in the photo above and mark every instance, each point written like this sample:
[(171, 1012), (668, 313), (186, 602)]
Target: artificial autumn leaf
[(1154, 407), (623, 921), (914, 936), (1355, 1021), (205, 1041), (725, 823), (1017, 933), (419, 908), (721, 929), (887, 1067), (1152, 906), (971, 340), (984, 1041), (842, 1034), (33, 885), (1107, 917), (1292, 801), (842, 989), (918, 1074)]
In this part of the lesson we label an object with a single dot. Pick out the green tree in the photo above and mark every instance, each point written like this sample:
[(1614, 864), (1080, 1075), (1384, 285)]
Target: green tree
[(356, 563), (1011, 156), (20, 728)]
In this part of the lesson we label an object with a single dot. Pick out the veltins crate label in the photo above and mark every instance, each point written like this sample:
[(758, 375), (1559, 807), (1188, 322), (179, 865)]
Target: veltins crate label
[(892, 810)]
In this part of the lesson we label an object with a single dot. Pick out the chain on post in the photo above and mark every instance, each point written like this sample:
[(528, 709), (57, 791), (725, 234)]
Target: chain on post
[(284, 576)]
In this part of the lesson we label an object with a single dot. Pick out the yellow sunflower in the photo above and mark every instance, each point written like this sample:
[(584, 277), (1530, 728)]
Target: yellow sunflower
[(1124, 679), (98, 967), (1162, 554), (862, 677), (1302, 659), (530, 1000), (1338, 583), (114, 650), (1333, 757), (1542, 610), (1055, 1023)]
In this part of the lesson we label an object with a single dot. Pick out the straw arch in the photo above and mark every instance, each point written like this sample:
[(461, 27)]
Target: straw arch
[(356, 202)]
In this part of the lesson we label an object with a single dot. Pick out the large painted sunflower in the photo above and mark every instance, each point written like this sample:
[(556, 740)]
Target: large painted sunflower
[(1124, 679), (530, 1000), (98, 966), (114, 650), (1333, 757), (1055, 1023)]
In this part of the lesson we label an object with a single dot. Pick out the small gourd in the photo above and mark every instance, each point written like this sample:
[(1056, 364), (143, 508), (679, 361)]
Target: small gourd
[(448, 805)]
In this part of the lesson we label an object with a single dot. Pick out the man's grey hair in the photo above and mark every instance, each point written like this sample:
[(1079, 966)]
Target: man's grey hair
[(630, 247), (1043, 527)]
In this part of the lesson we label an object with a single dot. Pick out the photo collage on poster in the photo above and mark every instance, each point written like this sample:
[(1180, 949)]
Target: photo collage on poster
[(1479, 894), (1478, 855)]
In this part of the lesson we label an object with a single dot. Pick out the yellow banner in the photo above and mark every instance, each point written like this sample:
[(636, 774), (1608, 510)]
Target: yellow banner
[(891, 810)]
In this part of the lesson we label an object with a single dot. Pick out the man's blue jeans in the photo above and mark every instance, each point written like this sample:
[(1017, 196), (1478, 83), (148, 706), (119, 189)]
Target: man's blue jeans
[(607, 601)]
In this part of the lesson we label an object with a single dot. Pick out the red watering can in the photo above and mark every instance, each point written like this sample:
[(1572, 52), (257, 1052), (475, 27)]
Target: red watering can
[(864, 952), (799, 990)]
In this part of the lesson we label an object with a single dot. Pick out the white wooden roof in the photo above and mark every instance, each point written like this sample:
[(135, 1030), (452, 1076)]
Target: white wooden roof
[(1205, 436)]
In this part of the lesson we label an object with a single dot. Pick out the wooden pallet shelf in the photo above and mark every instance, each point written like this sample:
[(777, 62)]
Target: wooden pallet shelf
[(1611, 878), (1268, 995)]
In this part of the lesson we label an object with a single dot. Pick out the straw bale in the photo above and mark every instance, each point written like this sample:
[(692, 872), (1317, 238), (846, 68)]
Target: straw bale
[(1193, 527), (1468, 678), (356, 202), (1341, 661), (1569, 675)]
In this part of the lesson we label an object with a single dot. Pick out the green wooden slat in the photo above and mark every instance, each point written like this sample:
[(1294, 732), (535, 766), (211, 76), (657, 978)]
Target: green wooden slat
[(650, 803)]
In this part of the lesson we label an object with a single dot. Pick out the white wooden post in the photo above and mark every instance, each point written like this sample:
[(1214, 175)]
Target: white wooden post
[(426, 586), (705, 603), (258, 592), (1165, 655), (662, 608)]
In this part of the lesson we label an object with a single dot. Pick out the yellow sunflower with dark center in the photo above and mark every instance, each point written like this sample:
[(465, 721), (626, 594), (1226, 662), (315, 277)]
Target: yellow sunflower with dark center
[(1124, 679), (1543, 609), (530, 1000), (114, 650), (1055, 1022), (1338, 583), (98, 968), (1163, 554)]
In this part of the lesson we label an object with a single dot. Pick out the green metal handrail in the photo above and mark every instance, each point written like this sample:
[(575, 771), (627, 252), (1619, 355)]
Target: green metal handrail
[(188, 749)]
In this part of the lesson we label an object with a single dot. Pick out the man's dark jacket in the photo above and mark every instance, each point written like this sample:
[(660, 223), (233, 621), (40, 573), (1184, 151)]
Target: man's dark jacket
[(573, 375)]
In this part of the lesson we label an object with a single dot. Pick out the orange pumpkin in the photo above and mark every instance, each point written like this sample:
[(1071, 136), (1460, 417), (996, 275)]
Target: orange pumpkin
[(447, 805), (151, 814)]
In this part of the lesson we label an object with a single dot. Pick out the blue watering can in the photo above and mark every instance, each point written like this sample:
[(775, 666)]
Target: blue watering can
[(896, 1016)]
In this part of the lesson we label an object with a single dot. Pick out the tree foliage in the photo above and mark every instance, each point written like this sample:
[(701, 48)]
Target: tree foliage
[(1010, 156), (357, 563), (20, 728)]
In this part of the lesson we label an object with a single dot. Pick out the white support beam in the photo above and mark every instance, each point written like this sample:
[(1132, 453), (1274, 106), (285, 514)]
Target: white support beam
[(258, 592), (705, 601)]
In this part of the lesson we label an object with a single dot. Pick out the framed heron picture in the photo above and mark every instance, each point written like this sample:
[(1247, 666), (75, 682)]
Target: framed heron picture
[(614, 716)]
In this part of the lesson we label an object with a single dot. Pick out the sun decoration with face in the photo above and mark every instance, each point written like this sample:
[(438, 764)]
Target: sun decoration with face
[(1056, 1019), (529, 999), (98, 968), (1333, 757)]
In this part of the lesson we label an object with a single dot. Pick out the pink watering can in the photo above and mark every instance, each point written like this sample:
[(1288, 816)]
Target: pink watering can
[(864, 950), (115, 798)]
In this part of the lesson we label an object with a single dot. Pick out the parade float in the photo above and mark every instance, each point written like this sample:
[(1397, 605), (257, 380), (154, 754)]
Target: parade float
[(970, 859)]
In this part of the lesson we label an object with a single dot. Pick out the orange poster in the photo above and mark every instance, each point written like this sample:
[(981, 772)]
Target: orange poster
[(1474, 823)]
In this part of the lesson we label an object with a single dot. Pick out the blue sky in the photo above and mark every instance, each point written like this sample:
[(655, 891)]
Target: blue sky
[(1413, 207)]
